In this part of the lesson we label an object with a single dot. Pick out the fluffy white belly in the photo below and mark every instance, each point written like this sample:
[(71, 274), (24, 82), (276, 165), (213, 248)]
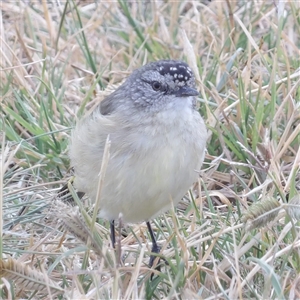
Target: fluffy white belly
[(143, 176), (146, 183)]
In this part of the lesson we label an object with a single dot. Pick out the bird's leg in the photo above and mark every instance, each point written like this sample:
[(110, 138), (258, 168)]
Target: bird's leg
[(112, 233), (155, 247), (116, 246)]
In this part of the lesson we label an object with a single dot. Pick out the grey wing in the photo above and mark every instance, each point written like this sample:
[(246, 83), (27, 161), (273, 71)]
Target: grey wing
[(111, 103), (86, 149)]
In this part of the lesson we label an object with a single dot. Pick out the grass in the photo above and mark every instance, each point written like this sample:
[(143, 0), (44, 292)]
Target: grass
[(236, 234)]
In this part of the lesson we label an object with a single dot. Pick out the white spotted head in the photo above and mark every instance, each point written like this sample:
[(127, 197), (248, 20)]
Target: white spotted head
[(159, 85), (178, 71)]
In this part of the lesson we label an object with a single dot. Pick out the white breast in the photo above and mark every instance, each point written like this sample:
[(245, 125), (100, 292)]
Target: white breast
[(151, 164)]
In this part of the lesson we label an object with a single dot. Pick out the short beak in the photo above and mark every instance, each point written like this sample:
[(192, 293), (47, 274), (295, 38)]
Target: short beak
[(186, 91)]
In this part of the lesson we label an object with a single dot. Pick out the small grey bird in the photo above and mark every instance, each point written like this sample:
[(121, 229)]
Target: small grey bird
[(157, 144)]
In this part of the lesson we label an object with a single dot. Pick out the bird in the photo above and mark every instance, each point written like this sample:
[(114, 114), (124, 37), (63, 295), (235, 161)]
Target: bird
[(157, 145)]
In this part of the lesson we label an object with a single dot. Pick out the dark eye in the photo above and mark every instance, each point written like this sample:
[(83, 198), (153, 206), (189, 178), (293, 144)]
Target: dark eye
[(156, 85)]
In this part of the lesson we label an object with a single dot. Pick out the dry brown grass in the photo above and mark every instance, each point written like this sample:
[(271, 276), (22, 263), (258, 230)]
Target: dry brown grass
[(57, 58)]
